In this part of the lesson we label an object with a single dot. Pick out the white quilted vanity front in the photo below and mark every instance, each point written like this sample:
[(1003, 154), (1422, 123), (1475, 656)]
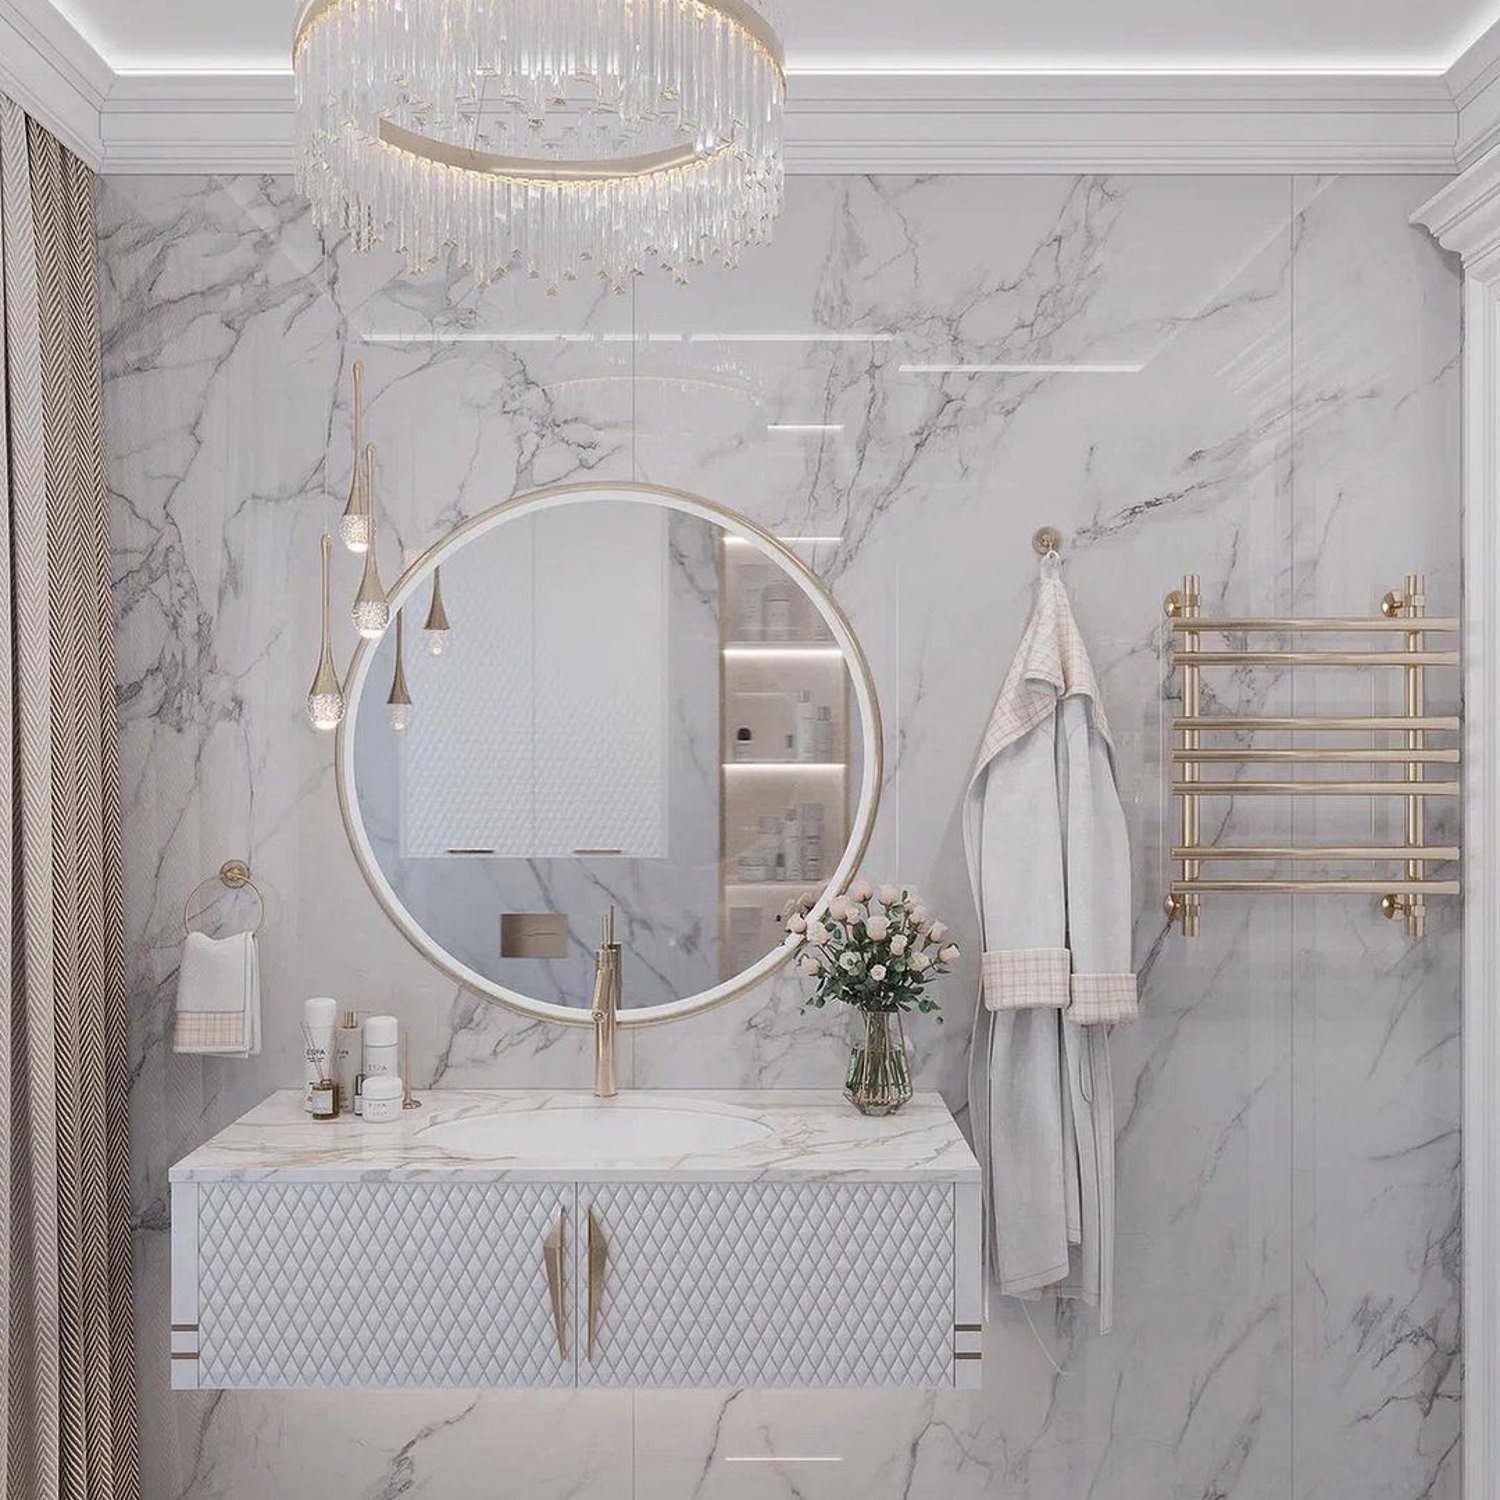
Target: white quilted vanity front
[(818, 1249)]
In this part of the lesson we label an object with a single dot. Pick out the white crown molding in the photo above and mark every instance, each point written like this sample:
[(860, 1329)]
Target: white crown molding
[(198, 122), (1118, 123), (54, 75), (1464, 216), (914, 123), (876, 122), (1474, 81)]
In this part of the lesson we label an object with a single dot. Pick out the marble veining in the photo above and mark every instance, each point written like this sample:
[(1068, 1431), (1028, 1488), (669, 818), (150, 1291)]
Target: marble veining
[(809, 1136), (1287, 1267)]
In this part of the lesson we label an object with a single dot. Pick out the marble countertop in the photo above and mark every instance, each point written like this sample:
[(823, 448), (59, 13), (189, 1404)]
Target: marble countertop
[(803, 1135)]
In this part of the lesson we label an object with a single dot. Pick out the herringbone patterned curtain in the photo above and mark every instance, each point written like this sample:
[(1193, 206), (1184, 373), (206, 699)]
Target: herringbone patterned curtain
[(67, 1382)]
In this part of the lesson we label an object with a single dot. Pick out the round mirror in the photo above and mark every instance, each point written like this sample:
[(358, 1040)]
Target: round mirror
[(608, 697)]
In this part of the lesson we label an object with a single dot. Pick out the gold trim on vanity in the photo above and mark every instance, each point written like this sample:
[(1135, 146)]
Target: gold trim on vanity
[(598, 1257), (552, 1260)]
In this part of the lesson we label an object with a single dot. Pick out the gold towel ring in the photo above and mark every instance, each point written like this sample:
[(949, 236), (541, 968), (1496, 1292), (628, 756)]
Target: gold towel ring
[(234, 875)]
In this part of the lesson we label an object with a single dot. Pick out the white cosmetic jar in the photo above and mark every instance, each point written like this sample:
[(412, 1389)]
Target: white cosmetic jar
[(382, 1099)]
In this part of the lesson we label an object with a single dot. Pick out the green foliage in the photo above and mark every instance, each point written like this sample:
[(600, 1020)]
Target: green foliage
[(874, 952)]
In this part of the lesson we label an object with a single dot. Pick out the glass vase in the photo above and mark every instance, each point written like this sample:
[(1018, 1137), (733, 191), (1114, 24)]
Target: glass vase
[(879, 1080)]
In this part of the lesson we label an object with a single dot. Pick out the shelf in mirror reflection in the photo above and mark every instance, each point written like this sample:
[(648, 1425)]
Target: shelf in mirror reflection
[(785, 765), (784, 648)]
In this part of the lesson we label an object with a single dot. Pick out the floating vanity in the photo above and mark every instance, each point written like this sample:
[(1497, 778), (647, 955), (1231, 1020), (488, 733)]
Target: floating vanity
[(552, 1239)]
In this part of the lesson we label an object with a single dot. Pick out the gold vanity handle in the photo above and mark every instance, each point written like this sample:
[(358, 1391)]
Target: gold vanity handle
[(598, 1253), (552, 1259)]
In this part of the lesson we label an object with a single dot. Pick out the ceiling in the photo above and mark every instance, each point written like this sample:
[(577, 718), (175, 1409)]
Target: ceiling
[(1413, 36)]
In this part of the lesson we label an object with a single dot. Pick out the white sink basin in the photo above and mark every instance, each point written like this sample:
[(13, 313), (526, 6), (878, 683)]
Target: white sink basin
[(598, 1131)]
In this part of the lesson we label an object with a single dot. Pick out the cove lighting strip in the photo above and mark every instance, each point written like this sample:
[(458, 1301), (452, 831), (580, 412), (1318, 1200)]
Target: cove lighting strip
[(1020, 369)]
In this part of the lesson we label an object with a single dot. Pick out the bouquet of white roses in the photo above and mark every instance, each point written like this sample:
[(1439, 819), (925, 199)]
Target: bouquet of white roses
[(877, 951)]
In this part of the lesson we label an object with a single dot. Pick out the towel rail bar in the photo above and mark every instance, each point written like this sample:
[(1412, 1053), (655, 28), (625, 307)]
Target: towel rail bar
[(1373, 723), (1316, 887), (1315, 789), (1402, 613), (1331, 757), (1437, 853), (1315, 658), (1327, 625)]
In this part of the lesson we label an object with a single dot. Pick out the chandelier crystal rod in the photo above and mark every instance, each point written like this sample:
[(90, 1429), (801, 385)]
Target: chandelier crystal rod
[(559, 139)]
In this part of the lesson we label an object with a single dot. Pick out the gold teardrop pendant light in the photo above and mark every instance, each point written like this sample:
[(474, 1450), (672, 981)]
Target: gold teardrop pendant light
[(325, 699), (372, 610), (357, 524), (437, 628), (399, 705)]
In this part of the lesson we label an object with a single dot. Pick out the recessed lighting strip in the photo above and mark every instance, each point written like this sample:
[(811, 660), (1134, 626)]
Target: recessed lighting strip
[(509, 336), (788, 541), (1023, 369)]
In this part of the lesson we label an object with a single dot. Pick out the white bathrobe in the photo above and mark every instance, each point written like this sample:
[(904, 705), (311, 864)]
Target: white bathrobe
[(1049, 859)]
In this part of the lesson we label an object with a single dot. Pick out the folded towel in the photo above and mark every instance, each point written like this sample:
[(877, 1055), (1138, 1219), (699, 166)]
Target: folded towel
[(218, 996)]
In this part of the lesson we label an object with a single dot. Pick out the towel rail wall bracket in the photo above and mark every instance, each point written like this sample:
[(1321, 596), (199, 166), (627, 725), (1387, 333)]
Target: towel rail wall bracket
[(1403, 613)]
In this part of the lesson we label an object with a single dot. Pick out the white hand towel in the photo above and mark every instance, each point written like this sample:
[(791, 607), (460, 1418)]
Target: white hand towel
[(218, 996)]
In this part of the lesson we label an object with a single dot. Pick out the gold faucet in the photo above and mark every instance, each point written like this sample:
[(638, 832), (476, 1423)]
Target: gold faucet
[(606, 1009)]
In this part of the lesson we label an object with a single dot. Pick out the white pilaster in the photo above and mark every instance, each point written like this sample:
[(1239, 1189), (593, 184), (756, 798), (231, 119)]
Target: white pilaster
[(1465, 217)]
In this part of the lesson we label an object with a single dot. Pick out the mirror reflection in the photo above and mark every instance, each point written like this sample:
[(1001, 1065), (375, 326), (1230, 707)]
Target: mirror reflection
[(612, 703)]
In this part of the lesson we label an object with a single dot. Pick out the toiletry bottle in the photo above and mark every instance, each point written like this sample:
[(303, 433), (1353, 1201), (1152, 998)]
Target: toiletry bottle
[(805, 727), (812, 841), (776, 607), (823, 735), (791, 846), (347, 1045), (744, 744), (764, 851), (381, 1049), (752, 580), (319, 1020)]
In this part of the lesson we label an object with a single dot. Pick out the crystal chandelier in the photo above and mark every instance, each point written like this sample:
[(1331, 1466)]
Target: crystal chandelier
[(554, 136)]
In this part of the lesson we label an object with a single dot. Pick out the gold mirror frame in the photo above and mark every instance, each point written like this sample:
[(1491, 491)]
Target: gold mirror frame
[(549, 498)]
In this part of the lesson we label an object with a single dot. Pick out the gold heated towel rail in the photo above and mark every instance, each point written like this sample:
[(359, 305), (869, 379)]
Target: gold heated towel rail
[(1403, 613)]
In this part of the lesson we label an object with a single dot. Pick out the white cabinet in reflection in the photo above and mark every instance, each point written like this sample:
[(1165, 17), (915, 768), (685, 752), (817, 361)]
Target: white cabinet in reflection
[(543, 728)]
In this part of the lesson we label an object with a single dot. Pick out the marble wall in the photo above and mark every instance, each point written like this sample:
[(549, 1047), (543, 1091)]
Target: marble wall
[(1272, 404)]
